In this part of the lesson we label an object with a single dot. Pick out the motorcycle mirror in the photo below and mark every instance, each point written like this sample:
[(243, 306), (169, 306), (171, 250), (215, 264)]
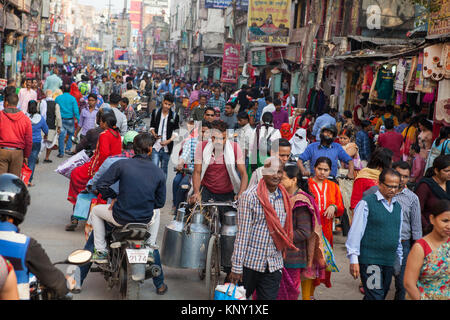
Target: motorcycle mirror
[(79, 257)]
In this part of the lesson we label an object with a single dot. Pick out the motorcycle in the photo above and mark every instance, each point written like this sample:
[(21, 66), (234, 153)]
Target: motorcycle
[(40, 292), (130, 259)]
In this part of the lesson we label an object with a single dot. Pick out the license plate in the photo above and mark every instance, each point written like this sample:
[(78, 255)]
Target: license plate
[(137, 255)]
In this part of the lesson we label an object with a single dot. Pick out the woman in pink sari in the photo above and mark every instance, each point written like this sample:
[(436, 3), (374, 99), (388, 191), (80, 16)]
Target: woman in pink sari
[(308, 263)]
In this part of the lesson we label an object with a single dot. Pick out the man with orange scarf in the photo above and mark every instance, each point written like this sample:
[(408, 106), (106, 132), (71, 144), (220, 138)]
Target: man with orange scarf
[(264, 234)]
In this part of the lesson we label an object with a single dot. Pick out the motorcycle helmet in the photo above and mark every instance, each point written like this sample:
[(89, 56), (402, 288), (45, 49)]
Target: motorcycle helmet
[(331, 128), (14, 197)]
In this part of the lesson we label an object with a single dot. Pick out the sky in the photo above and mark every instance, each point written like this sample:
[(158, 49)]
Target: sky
[(117, 5)]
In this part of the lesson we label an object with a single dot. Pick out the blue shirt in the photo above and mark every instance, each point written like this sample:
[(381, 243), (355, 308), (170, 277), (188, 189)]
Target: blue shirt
[(261, 104), (166, 88), (358, 228), (363, 143), (334, 152), (322, 121), (68, 106)]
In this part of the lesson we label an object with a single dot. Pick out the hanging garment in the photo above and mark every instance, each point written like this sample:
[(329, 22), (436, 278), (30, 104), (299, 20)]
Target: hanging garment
[(385, 84), (434, 61), (400, 75), (368, 79), (411, 78), (419, 73)]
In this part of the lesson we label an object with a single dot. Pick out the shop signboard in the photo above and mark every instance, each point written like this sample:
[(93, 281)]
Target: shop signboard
[(45, 57), (184, 40), (122, 33), (382, 14), (160, 61), (223, 4), (94, 49), (274, 54), (439, 21), (269, 21), (259, 57), (120, 57), (8, 55), (230, 62)]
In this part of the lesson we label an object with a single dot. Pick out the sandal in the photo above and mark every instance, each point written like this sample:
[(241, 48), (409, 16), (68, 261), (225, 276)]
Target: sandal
[(30, 185), (361, 289), (163, 291)]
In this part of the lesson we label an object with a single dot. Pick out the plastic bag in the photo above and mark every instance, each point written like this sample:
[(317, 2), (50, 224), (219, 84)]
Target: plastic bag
[(25, 174), (73, 162), (223, 292), (83, 205), (329, 256)]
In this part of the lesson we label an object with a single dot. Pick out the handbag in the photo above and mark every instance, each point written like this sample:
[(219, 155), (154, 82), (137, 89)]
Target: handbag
[(221, 294), (329, 256), (83, 205), (25, 174), (73, 162)]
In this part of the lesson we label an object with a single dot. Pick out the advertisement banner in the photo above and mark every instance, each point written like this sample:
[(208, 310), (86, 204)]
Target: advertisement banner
[(160, 61), (259, 57), (120, 57), (268, 22), (230, 62), (223, 4), (439, 22)]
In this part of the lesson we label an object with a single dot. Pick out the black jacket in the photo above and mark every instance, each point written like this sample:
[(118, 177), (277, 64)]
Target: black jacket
[(142, 188), (172, 125)]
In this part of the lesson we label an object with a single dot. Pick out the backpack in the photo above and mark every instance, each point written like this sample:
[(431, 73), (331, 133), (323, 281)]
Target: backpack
[(84, 88)]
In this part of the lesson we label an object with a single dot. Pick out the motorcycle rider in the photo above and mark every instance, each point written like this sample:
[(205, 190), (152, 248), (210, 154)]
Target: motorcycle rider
[(25, 254)]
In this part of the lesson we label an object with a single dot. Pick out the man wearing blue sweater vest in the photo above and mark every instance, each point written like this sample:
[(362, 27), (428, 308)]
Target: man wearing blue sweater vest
[(374, 240)]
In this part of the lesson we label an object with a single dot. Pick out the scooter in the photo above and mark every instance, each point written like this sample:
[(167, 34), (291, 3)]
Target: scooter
[(40, 292), (130, 259)]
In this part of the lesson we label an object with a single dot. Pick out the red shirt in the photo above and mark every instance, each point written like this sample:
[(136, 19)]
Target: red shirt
[(216, 177), (393, 141), (16, 131)]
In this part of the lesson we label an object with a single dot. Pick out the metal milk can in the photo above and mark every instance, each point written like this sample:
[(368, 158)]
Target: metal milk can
[(227, 237), (172, 241), (195, 243)]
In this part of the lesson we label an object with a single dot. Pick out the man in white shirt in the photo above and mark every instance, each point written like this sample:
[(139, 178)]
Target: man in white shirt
[(243, 134), (269, 108), (163, 124)]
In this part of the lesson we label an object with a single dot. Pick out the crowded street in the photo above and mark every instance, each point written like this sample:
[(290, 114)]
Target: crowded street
[(46, 223), (224, 150)]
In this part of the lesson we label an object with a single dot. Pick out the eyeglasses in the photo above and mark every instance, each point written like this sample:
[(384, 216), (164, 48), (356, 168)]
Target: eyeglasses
[(298, 136), (391, 187)]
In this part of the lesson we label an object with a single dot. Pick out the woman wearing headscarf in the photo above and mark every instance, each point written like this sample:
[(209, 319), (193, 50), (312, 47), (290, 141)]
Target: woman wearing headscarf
[(308, 263), (299, 142), (109, 144), (285, 131), (75, 92)]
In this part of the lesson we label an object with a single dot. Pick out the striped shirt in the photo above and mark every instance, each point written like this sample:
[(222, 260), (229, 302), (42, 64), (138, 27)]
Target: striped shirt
[(188, 154), (254, 247), (412, 223)]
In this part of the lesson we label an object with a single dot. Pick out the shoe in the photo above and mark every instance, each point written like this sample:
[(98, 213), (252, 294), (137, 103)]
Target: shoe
[(72, 225), (60, 156), (47, 161), (100, 257), (163, 291), (70, 153)]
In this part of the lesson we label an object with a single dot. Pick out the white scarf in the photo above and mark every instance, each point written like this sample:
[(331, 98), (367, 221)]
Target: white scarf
[(299, 145), (230, 163)]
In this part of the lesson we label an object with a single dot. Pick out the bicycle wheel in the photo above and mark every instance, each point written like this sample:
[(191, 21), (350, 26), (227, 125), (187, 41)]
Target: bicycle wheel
[(212, 265)]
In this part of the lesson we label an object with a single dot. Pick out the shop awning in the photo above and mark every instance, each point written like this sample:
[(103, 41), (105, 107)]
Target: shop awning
[(383, 41)]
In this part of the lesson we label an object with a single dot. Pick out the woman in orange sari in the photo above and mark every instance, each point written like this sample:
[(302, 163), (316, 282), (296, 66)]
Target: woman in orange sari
[(109, 144), (329, 201)]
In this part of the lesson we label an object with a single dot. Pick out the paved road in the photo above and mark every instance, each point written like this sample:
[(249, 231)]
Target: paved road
[(50, 212)]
